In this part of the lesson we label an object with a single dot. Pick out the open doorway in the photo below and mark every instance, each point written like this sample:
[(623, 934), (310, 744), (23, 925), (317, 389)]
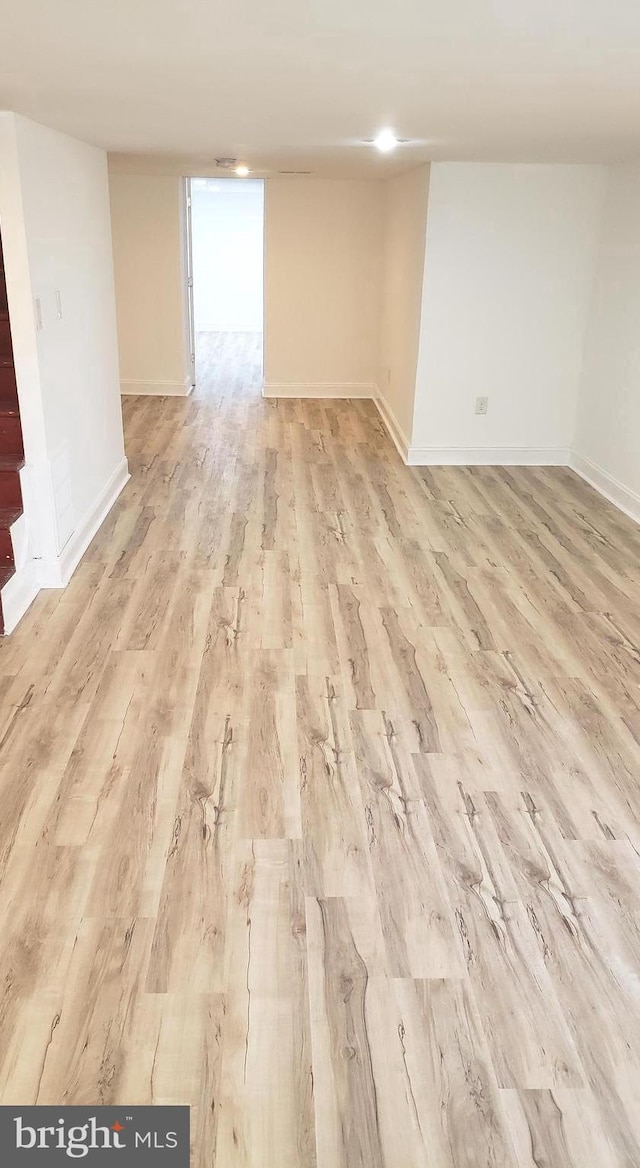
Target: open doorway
[(227, 234)]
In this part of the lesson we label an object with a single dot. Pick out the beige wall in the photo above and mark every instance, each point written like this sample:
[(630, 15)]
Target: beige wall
[(323, 256), (323, 261), (147, 227), (405, 225)]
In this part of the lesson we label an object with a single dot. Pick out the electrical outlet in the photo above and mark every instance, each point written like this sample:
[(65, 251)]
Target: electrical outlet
[(482, 405)]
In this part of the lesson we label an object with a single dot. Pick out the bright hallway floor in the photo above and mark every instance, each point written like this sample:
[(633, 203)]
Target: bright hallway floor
[(320, 800)]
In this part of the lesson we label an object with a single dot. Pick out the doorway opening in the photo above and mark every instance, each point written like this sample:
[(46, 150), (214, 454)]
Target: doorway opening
[(226, 277)]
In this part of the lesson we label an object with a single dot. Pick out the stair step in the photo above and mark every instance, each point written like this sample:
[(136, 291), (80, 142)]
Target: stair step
[(11, 437), (10, 490), (6, 548), (11, 462), (8, 515), (9, 408), (8, 387), (6, 351)]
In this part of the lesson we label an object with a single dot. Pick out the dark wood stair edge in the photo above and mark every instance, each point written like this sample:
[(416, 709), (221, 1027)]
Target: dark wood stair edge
[(8, 516)]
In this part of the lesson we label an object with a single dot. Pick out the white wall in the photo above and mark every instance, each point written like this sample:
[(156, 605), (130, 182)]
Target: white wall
[(227, 231), (54, 211), (149, 264), (66, 211), (607, 441), (509, 263), (323, 261), (404, 230)]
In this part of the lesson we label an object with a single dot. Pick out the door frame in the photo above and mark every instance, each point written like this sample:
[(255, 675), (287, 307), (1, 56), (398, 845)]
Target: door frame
[(188, 276), (189, 311)]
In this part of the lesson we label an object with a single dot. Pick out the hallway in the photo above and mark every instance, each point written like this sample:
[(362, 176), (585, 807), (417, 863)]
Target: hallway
[(320, 800)]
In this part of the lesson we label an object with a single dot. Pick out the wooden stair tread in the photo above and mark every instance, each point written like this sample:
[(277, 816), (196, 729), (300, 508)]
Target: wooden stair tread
[(5, 574), (9, 409), (12, 463), (8, 515)]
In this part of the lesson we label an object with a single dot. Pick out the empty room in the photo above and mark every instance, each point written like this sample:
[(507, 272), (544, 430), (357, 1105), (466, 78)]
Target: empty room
[(225, 239), (320, 584)]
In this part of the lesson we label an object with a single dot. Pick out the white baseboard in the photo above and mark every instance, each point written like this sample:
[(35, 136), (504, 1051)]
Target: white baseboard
[(57, 573), (605, 484), (487, 456), (21, 590), (132, 388), (19, 594), (321, 389), (393, 427), (467, 455)]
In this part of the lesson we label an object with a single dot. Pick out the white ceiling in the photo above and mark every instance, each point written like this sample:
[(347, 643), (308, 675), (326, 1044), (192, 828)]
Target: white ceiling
[(298, 84)]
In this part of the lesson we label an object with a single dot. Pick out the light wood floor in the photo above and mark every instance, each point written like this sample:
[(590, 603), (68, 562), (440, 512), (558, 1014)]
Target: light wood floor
[(321, 799)]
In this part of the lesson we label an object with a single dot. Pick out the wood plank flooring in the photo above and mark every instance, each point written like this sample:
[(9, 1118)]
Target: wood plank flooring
[(320, 800)]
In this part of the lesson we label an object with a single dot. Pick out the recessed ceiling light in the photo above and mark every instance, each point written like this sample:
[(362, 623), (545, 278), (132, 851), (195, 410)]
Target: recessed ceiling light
[(385, 141), (242, 171)]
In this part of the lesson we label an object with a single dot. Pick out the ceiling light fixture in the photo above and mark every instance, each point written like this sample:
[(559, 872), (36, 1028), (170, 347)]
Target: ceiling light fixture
[(385, 141), (242, 171)]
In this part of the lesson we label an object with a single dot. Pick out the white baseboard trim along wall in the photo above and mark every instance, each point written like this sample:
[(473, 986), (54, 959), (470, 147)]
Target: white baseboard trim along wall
[(393, 427), (35, 572), (132, 388), (22, 588), (320, 389), (57, 573), (18, 595), (605, 484), (467, 455), (486, 456), (613, 490)]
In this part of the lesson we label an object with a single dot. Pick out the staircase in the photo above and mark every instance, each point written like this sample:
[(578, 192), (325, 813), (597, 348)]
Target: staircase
[(11, 448)]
